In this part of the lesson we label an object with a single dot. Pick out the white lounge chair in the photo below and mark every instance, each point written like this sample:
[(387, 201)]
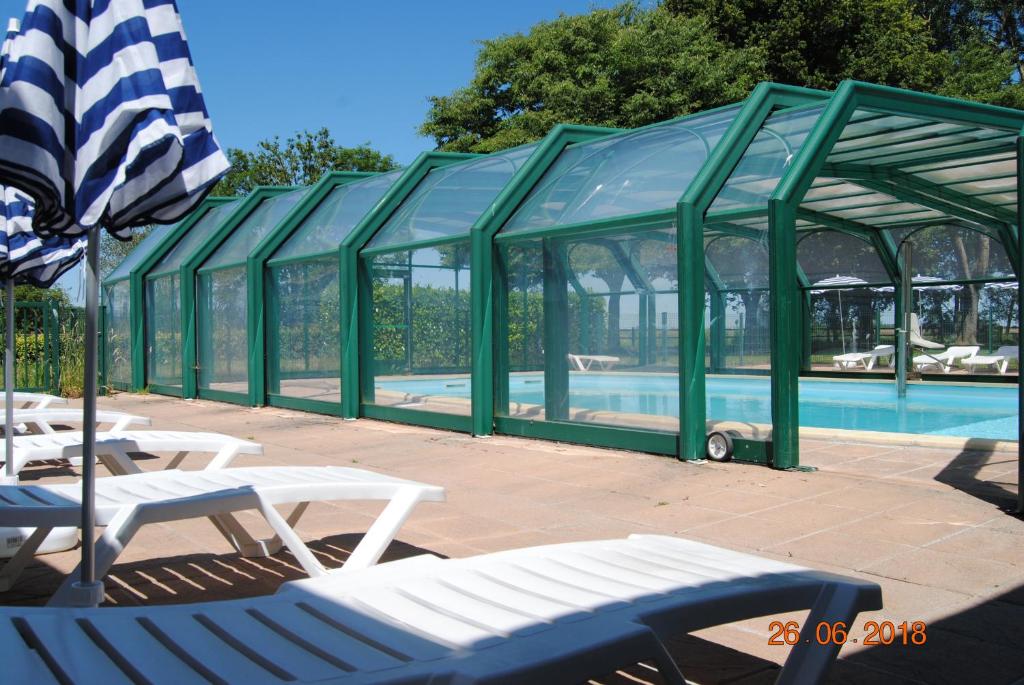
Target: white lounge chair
[(867, 359), (946, 360), (35, 400), (43, 419), (543, 615), (583, 362), (916, 340), (126, 503), (112, 448), (1000, 359)]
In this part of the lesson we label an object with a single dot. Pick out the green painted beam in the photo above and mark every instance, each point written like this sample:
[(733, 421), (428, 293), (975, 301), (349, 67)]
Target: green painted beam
[(690, 219), (256, 285), (912, 188), (137, 276), (187, 282), (356, 302)]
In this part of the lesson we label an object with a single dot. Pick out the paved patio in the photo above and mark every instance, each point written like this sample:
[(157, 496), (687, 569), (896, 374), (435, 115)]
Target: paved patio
[(928, 525)]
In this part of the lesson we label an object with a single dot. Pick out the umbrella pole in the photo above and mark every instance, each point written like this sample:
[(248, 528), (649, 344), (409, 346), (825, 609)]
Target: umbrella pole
[(89, 591), (10, 477), (842, 326)]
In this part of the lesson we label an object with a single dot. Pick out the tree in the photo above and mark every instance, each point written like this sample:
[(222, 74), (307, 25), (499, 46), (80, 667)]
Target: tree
[(623, 66), (113, 251), (967, 49), (301, 160)]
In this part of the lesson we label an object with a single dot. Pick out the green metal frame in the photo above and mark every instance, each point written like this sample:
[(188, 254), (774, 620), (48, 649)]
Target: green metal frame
[(257, 328), (137, 290), (808, 164), (356, 295), (483, 291), (187, 281)]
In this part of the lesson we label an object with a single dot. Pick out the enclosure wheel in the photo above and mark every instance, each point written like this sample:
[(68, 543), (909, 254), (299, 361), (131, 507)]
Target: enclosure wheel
[(719, 445)]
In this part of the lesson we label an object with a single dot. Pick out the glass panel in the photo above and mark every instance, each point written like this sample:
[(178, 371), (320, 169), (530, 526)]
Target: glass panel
[(592, 331), (119, 350), (140, 251), (982, 315), (221, 330), (635, 172), (847, 326), (253, 229), (951, 253), (830, 254), (196, 236), (163, 331), (421, 329), (449, 200), (336, 216), (737, 331), (303, 355), (767, 156)]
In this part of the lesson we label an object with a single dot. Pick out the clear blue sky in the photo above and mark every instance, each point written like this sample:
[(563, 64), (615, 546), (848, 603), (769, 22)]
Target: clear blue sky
[(362, 69)]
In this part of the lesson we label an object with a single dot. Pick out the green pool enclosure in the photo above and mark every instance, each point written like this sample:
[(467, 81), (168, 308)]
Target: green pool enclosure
[(624, 288)]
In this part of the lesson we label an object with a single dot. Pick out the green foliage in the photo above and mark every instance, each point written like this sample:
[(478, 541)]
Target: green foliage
[(30, 293), (623, 66), (301, 160), (630, 65)]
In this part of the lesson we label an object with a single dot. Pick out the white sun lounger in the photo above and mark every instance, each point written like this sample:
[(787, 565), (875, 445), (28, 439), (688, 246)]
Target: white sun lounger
[(542, 615), (112, 448), (126, 503), (35, 400), (867, 359), (43, 419), (916, 340), (946, 360), (583, 362), (1000, 360)]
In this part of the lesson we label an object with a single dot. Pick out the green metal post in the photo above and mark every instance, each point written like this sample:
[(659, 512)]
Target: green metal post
[(556, 347), (692, 387), (785, 343), (1020, 338)]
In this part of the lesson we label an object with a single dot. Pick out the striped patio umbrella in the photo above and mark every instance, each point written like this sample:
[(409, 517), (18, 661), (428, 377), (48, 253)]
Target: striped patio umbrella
[(103, 123), (839, 284), (24, 258)]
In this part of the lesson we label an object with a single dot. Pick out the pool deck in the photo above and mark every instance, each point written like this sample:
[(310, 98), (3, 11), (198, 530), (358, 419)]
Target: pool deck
[(927, 524)]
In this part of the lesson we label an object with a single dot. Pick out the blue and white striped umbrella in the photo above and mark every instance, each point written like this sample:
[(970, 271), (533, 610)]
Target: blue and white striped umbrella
[(103, 123)]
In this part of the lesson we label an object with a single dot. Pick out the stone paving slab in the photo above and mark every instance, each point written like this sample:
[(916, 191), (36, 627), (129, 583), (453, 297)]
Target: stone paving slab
[(927, 524)]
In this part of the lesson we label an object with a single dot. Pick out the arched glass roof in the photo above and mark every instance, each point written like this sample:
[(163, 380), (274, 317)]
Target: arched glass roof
[(196, 236), (449, 200), (624, 174), (252, 230), (335, 217), (827, 254), (140, 251)]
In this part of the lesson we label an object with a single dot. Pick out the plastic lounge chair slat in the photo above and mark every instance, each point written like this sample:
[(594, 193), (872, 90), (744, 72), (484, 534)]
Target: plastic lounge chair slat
[(283, 652), (22, 665), (71, 647), (482, 588), (139, 648), (193, 637), (479, 611), (403, 646), (349, 652), (430, 623), (545, 586)]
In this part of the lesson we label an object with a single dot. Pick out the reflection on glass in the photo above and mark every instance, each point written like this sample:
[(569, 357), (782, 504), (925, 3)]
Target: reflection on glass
[(450, 199), (592, 331), (303, 354), (221, 330), (635, 172), (421, 329), (119, 351), (163, 331)]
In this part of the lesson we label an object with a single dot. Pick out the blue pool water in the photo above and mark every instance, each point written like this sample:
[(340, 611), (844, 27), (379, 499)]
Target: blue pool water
[(936, 409)]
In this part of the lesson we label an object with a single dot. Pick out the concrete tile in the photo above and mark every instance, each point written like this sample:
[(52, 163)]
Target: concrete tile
[(950, 571)]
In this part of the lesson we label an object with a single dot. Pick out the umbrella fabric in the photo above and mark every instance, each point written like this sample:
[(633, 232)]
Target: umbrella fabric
[(923, 283), (834, 282), (120, 139), (24, 256), (102, 122)]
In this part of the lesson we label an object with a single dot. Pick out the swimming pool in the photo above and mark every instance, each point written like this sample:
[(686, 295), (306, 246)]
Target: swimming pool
[(932, 409)]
